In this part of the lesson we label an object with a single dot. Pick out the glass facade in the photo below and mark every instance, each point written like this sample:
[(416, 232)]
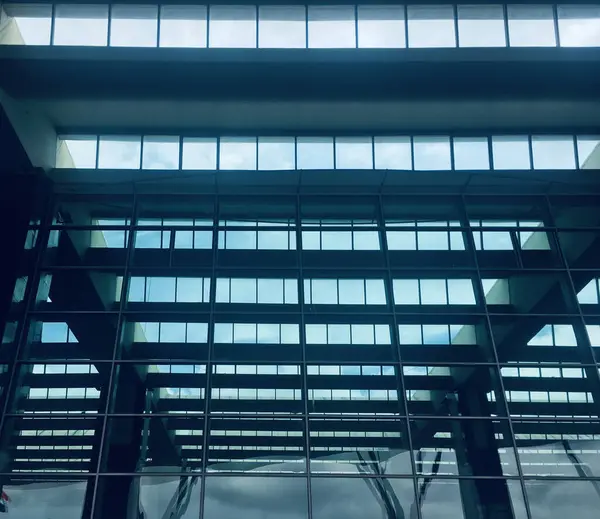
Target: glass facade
[(306, 356)]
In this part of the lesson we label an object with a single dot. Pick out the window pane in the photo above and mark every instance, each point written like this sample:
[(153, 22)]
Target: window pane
[(352, 292), (511, 152), (381, 26), (579, 25), (160, 290), (481, 26), (393, 153), (432, 153), (555, 499), (276, 153), (183, 26), (588, 150), (243, 291), (76, 152), (134, 26), (431, 26), (120, 152), (238, 153), (160, 153), (353, 153), (324, 292), (33, 24), (199, 153), (81, 25), (433, 292), (553, 152), (471, 153), (232, 26), (531, 26), (315, 153), (406, 291), (331, 27), (282, 27)]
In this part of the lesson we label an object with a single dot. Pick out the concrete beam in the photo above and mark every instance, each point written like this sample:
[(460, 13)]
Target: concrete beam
[(36, 133)]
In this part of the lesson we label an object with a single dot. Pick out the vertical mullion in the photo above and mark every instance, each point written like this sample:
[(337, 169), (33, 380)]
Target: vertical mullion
[(406, 39), (159, 9), (481, 301), (412, 153), (555, 21), (455, 20), (210, 343), (490, 152), (256, 14), (180, 160), (306, 15), (97, 151), (52, 23), (110, 17), (356, 26), (302, 336), (530, 144), (452, 161), (576, 152), (208, 26), (111, 386), (506, 30), (334, 143), (218, 143), (395, 345), (373, 152)]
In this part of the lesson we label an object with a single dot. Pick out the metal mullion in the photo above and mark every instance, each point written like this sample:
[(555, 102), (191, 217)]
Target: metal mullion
[(480, 299), (110, 18), (111, 386), (579, 329), (395, 341), (302, 326), (555, 22), (530, 145), (576, 152), (356, 46), (455, 21), (209, 358), (406, 40), (306, 46), (257, 14), (52, 23), (506, 31), (29, 298), (158, 20)]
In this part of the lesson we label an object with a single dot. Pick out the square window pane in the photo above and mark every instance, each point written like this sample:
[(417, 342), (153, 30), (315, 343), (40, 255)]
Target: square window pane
[(331, 27), (160, 290), (481, 26), (282, 27), (243, 290), (352, 292), (276, 153), (324, 292), (134, 26), (579, 25), (81, 25), (190, 290), (432, 153), (183, 26), (76, 152), (393, 153), (471, 153), (401, 240), (32, 23), (199, 153), (315, 153), (588, 151), (197, 332), (120, 152), (244, 333), (366, 240), (353, 153), (268, 333), (531, 26), (160, 153), (431, 26), (316, 334), (338, 334), (433, 292), (363, 334), (270, 291), (232, 26), (381, 26), (224, 333), (382, 334), (553, 152), (406, 291), (410, 334), (436, 334), (511, 152), (460, 292), (238, 153), (172, 332)]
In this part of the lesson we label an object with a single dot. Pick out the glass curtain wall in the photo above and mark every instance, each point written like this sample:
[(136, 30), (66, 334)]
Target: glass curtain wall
[(306, 356)]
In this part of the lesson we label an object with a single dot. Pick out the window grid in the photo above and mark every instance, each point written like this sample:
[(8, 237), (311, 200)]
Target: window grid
[(368, 370)]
